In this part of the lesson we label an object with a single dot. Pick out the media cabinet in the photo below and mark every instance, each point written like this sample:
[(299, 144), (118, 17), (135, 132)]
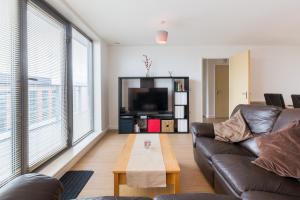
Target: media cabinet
[(175, 120)]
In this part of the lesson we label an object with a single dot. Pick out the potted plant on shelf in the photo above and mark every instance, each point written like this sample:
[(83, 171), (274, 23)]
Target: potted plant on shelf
[(148, 63)]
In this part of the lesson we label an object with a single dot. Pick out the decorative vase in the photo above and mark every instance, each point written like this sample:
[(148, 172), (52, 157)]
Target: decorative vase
[(147, 144), (148, 73)]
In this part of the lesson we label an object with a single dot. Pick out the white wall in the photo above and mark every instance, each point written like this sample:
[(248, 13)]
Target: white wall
[(275, 69)]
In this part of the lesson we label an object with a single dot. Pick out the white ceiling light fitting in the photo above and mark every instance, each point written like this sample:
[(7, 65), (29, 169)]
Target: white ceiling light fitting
[(162, 35)]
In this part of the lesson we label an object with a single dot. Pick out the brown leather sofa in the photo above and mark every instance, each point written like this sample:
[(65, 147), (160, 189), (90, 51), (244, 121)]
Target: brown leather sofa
[(228, 167), (32, 187), (252, 195), (195, 196)]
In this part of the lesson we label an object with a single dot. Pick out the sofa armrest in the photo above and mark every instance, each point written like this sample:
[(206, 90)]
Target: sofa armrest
[(202, 130), (32, 187)]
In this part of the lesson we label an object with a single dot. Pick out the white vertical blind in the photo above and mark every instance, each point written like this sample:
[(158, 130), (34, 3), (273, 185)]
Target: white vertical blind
[(47, 118), (82, 85), (10, 161)]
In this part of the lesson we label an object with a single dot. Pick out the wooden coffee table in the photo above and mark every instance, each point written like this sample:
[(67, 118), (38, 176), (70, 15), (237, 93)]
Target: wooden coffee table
[(171, 164)]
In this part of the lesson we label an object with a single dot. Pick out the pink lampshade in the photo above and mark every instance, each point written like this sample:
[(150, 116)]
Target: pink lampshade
[(162, 37)]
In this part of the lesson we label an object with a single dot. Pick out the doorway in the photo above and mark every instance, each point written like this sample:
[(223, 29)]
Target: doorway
[(219, 98), (215, 90)]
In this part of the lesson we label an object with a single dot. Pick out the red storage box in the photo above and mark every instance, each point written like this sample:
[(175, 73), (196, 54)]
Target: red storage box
[(153, 125)]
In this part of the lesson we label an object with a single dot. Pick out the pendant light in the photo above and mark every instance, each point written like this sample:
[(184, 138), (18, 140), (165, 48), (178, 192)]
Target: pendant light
[(162, 37)]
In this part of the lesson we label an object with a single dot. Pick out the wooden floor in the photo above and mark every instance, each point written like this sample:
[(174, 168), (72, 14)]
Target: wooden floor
[(102, 158)]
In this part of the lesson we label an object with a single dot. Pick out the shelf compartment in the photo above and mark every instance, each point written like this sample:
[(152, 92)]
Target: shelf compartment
[(153, 126), (180, 98), (167, 126), (182, 125)]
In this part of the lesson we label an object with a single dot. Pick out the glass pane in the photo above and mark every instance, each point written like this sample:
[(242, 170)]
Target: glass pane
[(82, 85), (46, 69), (9, 64)]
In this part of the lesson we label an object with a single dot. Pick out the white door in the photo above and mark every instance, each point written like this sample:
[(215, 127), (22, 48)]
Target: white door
[(239, 80)]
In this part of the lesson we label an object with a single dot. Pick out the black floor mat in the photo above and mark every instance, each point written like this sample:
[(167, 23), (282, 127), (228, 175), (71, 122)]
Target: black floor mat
[(73, 182)]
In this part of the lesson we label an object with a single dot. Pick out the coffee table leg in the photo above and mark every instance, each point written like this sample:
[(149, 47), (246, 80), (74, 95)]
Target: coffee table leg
[(176, 184), (116, 184)]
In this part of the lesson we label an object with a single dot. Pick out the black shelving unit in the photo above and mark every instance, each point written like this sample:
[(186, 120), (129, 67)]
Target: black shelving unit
[(127, 120)]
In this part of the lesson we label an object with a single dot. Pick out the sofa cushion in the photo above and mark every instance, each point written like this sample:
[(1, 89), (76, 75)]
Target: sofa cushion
[(257, 195), (244, 176), (260, 119), (209, 147), (280, 151), (287, 116), (32, 187), (251, 145), (195, 196), (232, 130)]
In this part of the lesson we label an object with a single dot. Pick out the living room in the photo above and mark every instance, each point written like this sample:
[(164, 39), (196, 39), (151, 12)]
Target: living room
[(88, 88)]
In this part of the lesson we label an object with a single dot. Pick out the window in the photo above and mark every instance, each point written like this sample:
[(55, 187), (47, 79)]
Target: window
[(82, 85), (33, 111), (45, 99), (34, 94), (54, 107), (9, 90), (46, 39), (4, 118)]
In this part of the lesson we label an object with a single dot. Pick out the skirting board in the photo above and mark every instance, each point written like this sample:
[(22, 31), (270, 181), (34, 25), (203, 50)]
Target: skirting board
[(210, 116)]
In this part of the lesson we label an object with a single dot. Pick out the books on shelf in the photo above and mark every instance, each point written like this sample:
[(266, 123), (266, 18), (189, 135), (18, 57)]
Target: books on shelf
[(182, 125), (179, 112), (179, 86), (180, 98)]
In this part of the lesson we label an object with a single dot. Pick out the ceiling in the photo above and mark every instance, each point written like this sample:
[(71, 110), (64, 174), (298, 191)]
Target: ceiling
[(193, 22)]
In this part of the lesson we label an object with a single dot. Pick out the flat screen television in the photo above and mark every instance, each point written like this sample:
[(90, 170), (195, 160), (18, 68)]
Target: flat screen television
[(147, 99)]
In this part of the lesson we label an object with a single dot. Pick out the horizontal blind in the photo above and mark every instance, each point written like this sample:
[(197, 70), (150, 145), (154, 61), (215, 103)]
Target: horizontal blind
[(10, 126), (82, 85), (47, 118)]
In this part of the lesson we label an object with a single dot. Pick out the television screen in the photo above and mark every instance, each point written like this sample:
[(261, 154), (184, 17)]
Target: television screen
[(147, 99)]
